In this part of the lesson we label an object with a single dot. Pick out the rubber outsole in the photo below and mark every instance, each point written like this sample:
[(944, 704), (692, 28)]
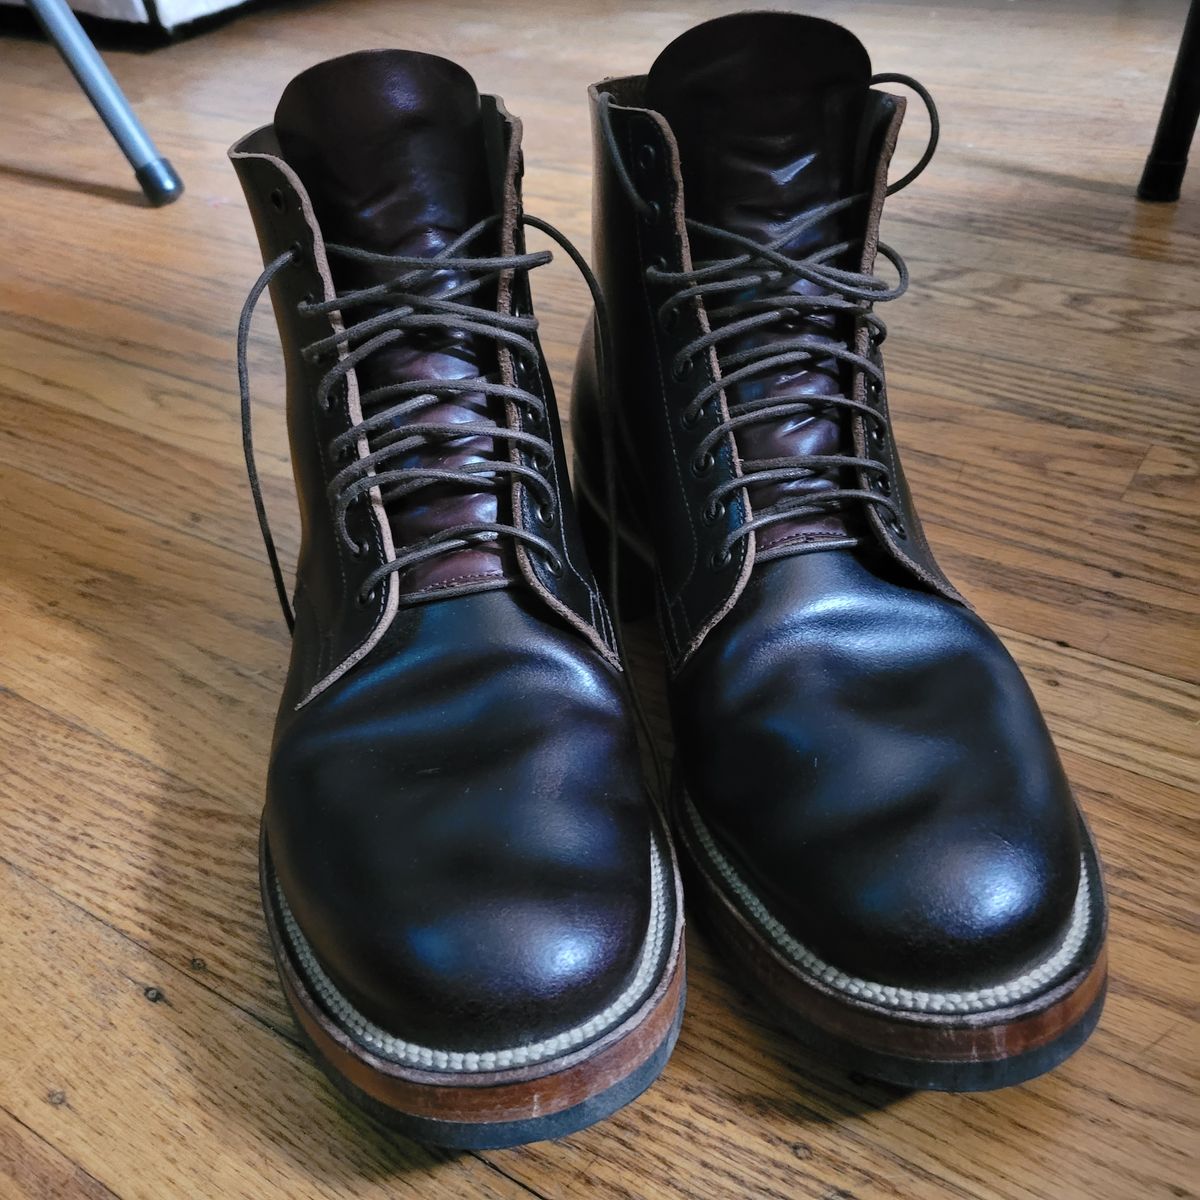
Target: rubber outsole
[(987, 1051), (551, 1100)]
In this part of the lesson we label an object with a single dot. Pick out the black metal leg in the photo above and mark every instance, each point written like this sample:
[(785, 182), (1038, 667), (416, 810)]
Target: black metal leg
[(155, 174), (1163, 176)]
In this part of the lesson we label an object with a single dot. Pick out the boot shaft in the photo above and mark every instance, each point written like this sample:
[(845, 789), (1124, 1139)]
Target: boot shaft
[(690, 150), (383, 189)]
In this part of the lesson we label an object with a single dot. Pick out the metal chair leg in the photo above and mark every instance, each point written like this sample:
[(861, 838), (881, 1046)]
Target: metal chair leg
[(1163, 176), (155, 174)]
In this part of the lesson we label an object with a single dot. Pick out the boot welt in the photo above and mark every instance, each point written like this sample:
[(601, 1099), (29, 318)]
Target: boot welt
[(851, 1022), (479, 1110)]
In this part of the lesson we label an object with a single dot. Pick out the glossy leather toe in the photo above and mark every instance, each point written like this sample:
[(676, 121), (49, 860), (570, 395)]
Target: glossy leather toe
[(481, 878), (906, 815)]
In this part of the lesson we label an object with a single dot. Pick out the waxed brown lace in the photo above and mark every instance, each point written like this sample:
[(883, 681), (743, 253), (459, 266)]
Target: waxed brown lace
[(748, 292)]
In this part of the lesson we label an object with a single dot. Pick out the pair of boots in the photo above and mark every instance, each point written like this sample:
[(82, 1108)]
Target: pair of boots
[(473, 902)]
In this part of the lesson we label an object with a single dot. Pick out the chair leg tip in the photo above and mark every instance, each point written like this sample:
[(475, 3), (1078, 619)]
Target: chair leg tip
[(1162, 181), (160, 182)]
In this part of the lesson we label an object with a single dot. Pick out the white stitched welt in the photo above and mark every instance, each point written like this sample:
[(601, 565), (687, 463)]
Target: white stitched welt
[(981, 1000), (385, 1045)]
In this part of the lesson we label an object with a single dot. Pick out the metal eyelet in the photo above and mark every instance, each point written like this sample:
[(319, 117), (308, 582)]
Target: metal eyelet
[(362, 601), (702, 464), (894, 525), (718, 560), (688, 420), (360, 550), (712, 513), (554, 566), (669, 321), (547, 515), (681, 369), (652, 212), (647, 157), (278, 200)]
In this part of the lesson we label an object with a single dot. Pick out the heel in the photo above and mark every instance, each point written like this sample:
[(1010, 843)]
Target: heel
[(635, 574)]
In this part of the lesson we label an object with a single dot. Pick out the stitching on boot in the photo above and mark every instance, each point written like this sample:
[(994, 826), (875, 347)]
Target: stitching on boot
[(383, 1044), (908, 999)]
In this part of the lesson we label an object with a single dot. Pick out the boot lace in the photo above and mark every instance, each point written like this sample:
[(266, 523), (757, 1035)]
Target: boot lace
[(749, 291), (400, 308)]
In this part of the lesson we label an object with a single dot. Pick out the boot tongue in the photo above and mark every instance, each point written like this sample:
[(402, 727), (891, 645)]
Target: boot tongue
[(766, 109), (389, 145)]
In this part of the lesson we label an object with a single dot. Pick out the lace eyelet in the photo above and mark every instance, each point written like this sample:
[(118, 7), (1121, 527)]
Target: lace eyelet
[(702, 464), (712, 513), (657, 263), (278, 200), (894, 525), (547, 515), (554, 566), (689, 420), (718, 560), (361, 549), (669, 321), (681, 369), (652, 212), (541, 461), (363, 600), (647, 157)]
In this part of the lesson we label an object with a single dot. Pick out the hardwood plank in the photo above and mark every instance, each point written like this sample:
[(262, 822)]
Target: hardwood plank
[(138, 1050), (1042, 371), (32, 1169)]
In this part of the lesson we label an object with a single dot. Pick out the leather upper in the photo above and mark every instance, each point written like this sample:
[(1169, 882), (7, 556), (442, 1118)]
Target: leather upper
[(461, 829), (873, 760), (759, 143), (859, 744), (393, 158), (455, 810)]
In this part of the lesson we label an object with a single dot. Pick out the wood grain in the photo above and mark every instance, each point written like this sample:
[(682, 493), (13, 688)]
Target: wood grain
[(1043, 370)]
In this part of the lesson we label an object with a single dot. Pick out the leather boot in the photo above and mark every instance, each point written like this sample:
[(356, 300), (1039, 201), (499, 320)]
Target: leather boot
[(876, 824), (472, 905)]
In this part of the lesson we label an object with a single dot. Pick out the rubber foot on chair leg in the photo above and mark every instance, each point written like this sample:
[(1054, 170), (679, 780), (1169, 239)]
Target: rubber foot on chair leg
[(160, 182)]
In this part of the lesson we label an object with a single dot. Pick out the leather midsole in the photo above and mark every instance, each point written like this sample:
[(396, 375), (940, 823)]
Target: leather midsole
[(984, 1035), (488, 1096)]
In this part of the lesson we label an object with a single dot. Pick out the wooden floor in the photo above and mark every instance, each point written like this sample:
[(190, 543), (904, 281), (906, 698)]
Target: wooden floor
[(1045, 376)]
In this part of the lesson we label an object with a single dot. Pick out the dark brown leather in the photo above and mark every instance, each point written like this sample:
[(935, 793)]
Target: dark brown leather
[(858, 743), (332, 625), (837, 143), (455, 807), (390, 148), (760, 142), (654, 447)]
